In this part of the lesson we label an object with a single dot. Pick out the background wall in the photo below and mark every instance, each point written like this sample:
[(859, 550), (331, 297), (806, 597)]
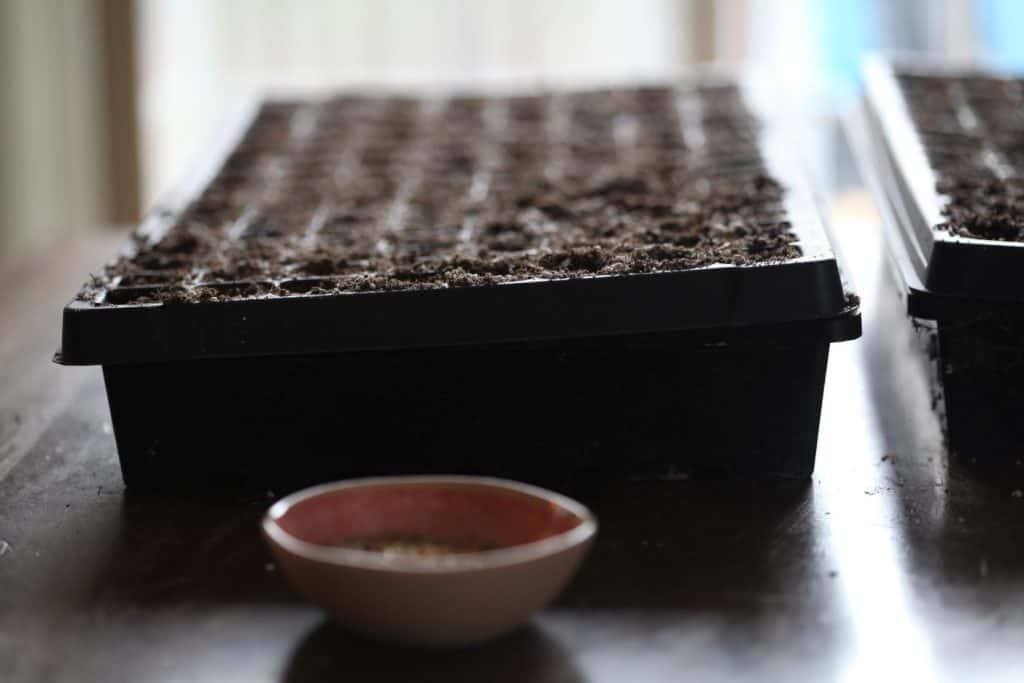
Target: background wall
[(59, 131)]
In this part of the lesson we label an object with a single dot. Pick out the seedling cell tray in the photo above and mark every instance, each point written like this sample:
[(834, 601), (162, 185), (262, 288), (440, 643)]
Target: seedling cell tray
[(615, 283), (941, 150)]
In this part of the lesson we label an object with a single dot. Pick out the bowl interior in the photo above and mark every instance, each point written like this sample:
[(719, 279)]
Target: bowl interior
[(467, 515)]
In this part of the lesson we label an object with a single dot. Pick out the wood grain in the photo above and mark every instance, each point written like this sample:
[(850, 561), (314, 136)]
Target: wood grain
[(892, 563)]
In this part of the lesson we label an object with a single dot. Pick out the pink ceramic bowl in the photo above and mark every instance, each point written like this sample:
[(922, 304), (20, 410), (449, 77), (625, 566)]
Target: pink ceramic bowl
[(485, 553)]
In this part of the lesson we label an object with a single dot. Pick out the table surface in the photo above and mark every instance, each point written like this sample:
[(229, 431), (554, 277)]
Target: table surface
[(892, 562)]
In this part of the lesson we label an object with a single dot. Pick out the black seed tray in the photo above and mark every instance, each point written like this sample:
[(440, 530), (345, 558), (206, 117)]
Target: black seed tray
[(628, 282), (937, 150)]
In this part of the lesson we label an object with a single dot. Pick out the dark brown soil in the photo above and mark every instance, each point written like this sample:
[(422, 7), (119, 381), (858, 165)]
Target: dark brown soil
[(973, 133), (358, 194)]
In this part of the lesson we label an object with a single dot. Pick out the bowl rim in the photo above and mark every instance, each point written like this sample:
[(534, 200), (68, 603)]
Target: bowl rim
[(485, 559)]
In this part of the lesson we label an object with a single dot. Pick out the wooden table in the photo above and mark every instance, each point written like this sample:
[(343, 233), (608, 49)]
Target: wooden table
[(893, 563)]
